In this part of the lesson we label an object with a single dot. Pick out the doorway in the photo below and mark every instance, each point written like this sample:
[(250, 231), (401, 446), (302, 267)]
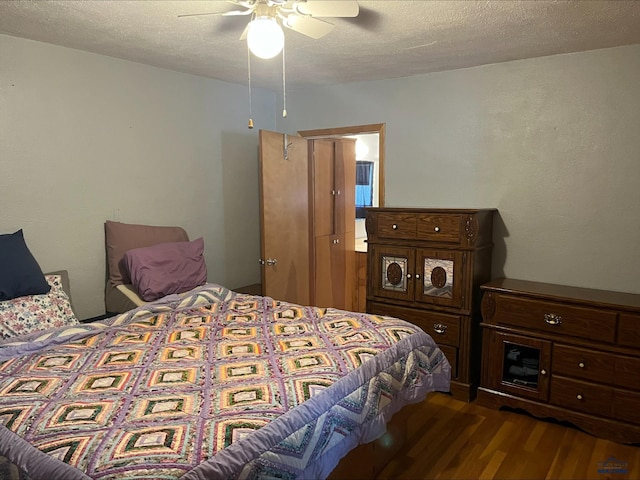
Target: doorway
[(373, 137), (370, 132)]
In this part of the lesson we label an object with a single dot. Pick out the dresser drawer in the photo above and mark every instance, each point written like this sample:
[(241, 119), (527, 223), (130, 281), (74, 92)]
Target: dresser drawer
[(440, 228), (627, 373), (629, 330), (452, 355), (444, 328), (397, 225), (581, 363), (582, 396), (556, 318), (625, 406), (596, 366)]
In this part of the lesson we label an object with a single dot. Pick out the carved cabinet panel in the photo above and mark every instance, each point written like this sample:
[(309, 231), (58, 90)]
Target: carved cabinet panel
[(421, 275)]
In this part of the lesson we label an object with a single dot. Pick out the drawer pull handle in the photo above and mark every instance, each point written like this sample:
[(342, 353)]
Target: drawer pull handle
[(437, 229), (417, 276), (440, 328), (579, 397), (394, 226), (581, 365), (543, 372), (552, 319), (409, 276)]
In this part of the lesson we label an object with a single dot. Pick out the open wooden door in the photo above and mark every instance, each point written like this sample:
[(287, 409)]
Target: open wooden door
[(308, 219), (284, 214)]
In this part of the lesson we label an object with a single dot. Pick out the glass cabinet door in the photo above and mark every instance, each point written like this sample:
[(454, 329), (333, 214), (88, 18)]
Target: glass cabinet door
[(520, 365), (441, 278)]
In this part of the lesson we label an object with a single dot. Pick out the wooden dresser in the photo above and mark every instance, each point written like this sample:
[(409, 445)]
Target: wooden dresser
[(426, 266), (563, 352)]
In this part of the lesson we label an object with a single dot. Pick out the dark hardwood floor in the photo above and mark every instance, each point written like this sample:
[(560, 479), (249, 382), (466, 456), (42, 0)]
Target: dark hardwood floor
[(453, 440)]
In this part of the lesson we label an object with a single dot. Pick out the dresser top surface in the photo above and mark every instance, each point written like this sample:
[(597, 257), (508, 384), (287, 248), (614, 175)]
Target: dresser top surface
[(549, 291), (429, 210)]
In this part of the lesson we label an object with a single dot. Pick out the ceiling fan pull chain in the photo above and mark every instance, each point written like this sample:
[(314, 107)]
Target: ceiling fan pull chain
[(284, 87), (249, 76)]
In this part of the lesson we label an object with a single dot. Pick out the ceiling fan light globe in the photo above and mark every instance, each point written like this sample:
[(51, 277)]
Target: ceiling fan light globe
[(265, 37)]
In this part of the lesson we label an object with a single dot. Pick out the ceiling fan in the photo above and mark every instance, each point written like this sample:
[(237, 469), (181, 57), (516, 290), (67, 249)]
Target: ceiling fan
[(302, 16), (264, 34)]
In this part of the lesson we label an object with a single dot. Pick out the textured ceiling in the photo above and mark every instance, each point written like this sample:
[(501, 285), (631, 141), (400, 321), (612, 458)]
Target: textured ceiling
[(388, 39)]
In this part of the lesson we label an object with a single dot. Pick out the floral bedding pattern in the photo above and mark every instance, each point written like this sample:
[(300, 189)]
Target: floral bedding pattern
[(31, 313), (210, 384)]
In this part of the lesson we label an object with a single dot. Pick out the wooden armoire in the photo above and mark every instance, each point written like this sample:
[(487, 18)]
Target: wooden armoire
[(307, 213), (426, 265)]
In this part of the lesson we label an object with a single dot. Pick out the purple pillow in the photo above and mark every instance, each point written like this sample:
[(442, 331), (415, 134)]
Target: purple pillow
[(166, 268)]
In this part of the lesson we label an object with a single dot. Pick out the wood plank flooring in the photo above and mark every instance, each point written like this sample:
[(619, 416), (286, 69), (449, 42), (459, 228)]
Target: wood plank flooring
[(453, 440)]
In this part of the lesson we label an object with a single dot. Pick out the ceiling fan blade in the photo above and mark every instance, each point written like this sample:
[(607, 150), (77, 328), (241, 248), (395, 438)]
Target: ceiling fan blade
[(234, 13), (326, 8), (222, 14), (198, 14), (309, 26), (248, 5)]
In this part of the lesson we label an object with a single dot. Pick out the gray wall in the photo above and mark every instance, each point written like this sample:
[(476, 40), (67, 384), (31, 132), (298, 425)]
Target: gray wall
[(85, 138), (553, 143)]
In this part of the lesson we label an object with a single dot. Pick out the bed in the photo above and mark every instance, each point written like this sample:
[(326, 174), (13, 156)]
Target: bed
[(209, 384), (205, 384)]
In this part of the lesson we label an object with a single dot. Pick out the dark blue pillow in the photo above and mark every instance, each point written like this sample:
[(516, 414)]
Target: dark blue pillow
[(20, 274)]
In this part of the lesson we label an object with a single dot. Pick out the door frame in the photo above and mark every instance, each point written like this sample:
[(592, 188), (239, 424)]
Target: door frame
[(378, 128)]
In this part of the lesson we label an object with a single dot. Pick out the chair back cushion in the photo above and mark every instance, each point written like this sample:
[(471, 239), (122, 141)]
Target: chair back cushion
[(121, 237)]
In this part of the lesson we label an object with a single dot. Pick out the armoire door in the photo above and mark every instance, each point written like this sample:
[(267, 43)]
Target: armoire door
[(284, 217), (393, 272), (442, 277), (323, 182), (334, 272), (345, 186)]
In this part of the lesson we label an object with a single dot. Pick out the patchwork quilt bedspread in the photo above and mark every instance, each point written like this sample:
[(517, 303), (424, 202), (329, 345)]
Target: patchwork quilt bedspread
[(209, 385)]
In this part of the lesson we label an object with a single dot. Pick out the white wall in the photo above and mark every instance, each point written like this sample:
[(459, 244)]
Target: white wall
[(552, 142), (85, 138)]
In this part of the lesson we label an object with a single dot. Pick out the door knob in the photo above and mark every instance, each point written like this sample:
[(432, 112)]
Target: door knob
[(271, 261)]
